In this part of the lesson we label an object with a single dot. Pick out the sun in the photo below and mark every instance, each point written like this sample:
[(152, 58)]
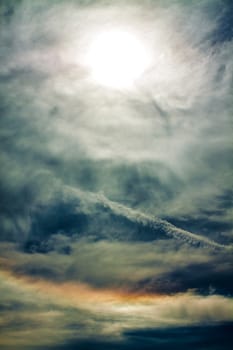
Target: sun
[(117, 59)]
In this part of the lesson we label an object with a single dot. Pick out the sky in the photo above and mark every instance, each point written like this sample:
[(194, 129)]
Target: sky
[(116, 195)]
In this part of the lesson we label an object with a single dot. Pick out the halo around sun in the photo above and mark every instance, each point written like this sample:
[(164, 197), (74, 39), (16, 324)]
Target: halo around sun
[(117, 59)]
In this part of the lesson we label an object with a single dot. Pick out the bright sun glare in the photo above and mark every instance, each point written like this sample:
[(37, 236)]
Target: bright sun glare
[(117, 59)]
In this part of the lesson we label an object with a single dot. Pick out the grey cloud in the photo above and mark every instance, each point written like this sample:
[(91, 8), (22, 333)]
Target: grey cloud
[(88, 134), (122, 189), (139, 267), (161, 150), (85, 213), (83, 120)]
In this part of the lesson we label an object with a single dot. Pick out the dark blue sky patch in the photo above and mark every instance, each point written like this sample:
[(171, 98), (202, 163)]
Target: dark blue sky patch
[(224, 31)]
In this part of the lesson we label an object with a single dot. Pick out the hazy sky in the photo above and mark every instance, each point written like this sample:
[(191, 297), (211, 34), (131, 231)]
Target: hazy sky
[(116, 201)]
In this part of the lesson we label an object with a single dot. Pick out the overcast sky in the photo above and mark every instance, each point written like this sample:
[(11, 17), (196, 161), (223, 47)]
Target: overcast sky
[(116, 201)]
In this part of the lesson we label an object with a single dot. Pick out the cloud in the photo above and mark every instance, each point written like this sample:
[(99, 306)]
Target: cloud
[(162, 266), (52, 314), (119, 194), (156, 149), (218, 336)]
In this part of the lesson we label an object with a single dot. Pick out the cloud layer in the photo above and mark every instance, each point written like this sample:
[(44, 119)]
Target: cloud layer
[(123, 196)]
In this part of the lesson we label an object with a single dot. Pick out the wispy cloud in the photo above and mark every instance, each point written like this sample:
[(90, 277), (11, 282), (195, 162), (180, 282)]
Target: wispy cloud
[(117, 194)]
